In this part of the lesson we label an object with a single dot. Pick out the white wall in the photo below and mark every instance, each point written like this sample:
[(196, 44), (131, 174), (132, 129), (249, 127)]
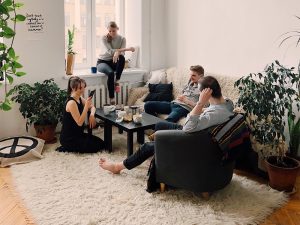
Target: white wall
[(42, 59), (231, 37), (145, 23)]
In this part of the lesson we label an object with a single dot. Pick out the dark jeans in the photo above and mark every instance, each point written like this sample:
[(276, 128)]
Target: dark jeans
[(175, 111), (147, 149), (108, 67)]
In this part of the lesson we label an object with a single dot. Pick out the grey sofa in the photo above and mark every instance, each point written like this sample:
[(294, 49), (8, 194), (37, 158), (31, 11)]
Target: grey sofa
[(190, 161)]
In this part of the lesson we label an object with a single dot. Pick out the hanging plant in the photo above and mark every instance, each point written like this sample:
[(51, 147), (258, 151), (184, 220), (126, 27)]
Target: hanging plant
[(9, 61)]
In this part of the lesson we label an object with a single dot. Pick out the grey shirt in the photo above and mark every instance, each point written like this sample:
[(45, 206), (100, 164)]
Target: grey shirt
[(108, 49), (192, 92), (213, 115)]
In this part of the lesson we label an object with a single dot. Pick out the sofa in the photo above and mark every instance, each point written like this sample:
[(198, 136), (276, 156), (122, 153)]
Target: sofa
[(180, 77)]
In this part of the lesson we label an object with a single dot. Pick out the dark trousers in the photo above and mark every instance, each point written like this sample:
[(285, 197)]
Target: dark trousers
[(175, 111), (147, 149), (109, 68)]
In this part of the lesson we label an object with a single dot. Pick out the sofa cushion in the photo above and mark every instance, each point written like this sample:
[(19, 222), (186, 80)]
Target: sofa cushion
[(160, 92), (158, 77)]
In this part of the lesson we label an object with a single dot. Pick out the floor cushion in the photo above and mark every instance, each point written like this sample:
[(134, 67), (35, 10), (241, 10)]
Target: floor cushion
[(20, 149)]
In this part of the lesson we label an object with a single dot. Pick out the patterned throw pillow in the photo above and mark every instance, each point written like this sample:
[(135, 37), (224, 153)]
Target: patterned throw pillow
[(21, 149)]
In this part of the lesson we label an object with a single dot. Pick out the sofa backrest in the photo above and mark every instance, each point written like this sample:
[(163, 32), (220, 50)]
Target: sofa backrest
[(180, 77)]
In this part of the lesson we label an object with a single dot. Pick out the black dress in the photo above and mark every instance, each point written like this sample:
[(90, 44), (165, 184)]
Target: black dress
[(73, 138)]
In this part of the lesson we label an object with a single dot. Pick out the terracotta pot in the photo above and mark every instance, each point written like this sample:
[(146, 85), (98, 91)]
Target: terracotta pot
[(70, 64), (46, 132), (280, 178)]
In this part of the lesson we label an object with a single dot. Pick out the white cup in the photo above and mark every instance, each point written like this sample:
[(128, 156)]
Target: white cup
[(121, 114), (108, 109), (137, 118)]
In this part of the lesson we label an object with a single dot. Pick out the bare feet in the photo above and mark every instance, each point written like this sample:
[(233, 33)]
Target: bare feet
[(115, 168)]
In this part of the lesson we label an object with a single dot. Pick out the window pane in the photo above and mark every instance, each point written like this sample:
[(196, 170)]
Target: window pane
[(105, 12), (76, 14)]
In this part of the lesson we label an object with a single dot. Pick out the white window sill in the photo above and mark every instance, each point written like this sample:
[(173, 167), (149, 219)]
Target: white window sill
[(86, 73)]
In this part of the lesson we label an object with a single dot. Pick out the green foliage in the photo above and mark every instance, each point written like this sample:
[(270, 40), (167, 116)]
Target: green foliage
[(266, 97), (9, 64), (294, 130), (291, 34), (41, 103), (71, 34)]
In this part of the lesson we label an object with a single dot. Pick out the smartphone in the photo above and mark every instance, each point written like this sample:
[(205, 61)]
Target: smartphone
[(92, 93)]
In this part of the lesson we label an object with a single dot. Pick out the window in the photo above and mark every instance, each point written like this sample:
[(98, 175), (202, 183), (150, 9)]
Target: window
[(89, 18)]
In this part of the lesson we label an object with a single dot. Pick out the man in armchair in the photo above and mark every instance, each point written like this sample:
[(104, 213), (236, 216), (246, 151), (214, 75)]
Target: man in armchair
[(218, 112)]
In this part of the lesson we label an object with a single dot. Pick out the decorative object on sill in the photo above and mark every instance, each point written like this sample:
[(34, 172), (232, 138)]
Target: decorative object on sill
[(71, 53), (9, 18), (93, 69), (267, 98), (42, 105)]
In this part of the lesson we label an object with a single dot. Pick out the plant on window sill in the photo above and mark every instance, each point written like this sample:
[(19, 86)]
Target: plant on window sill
[(71, 52), (9, 60)]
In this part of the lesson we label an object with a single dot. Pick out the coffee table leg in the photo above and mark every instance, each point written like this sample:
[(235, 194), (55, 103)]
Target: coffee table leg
[(141, 137), (129, 143), (108, 136)]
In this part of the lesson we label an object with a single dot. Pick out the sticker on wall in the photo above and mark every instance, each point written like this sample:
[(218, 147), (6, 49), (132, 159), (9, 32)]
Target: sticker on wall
[(35, 25)]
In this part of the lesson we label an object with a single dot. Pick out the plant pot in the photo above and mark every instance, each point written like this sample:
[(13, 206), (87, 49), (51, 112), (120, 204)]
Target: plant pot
[(282, 178), (46, 132), (70, 64)]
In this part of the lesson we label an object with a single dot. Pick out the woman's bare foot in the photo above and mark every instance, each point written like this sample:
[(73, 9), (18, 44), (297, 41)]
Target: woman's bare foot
[(115, 168)]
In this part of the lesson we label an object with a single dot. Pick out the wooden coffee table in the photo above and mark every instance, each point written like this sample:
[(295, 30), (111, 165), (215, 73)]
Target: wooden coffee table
[(148, 122)]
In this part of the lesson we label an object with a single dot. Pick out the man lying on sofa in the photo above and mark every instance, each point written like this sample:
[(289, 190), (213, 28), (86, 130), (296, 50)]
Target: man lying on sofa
[(183, 104), (218, 112)]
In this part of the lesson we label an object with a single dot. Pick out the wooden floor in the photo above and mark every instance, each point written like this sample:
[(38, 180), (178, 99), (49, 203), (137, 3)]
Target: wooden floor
[(13, 212)]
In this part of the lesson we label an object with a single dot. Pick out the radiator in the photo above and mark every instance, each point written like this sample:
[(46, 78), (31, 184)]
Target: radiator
[(101, 95)]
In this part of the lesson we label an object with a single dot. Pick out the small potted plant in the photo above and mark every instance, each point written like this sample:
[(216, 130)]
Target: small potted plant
[(71, 53), (265, 98), (42, 104)]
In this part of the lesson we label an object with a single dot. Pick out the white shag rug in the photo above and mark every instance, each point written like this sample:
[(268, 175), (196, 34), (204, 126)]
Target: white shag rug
[(69, 189)]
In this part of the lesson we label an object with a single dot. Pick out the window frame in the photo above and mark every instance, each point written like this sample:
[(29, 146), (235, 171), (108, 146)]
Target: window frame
[(91, 30)]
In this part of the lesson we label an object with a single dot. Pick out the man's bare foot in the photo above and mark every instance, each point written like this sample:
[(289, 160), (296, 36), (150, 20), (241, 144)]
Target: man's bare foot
[(112, 167)]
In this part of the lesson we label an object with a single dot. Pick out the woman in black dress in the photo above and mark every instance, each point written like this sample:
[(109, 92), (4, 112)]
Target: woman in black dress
[(73, 138)]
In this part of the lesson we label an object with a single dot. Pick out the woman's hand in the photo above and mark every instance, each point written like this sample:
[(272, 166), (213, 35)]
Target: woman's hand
[(88, 102), (116, 56), (132, 49), (92, 121)]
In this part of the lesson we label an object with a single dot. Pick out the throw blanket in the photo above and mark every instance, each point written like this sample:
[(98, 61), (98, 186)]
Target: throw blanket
[(229, 135)]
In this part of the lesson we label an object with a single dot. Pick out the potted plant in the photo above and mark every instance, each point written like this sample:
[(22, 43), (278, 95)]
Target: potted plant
[(42, 104), (9, 61), (293, 122), (266, 97), (71, 53)]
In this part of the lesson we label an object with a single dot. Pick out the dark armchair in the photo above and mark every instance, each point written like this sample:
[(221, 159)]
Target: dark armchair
[(190, 161)]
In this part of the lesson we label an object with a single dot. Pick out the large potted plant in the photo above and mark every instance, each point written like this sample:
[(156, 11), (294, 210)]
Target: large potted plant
[(41, 104), (70, 52), (9, 61), (266, 97)]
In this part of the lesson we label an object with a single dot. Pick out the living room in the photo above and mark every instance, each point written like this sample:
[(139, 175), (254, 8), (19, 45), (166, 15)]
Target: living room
[(228, 38)]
